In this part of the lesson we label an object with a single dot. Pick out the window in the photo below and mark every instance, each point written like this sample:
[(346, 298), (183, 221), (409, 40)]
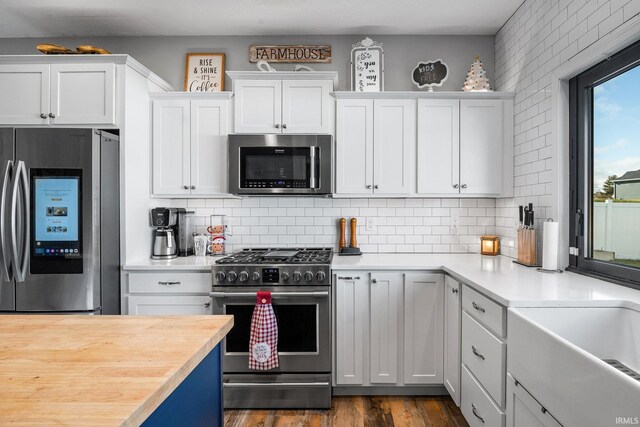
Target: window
[(605, 168)]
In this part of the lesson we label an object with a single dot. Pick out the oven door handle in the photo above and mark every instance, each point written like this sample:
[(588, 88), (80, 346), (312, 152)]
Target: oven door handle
[(316, 294)]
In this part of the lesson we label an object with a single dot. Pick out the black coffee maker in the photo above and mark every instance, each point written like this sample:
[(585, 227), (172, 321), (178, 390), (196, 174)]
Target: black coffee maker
[(164, 235)]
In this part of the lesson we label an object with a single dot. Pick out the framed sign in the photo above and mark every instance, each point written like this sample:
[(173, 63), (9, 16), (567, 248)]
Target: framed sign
[(430, 74), (204, 72), (367, 66)]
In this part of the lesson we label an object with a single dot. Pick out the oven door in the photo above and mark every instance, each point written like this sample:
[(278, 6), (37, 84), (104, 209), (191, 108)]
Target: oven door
[(304, 322)]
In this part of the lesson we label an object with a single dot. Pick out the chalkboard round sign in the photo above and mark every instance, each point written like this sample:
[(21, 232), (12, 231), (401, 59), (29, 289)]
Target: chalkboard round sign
[(429, 74)]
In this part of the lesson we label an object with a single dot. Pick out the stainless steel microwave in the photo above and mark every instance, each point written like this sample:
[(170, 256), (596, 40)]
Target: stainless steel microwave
[(280, 164)]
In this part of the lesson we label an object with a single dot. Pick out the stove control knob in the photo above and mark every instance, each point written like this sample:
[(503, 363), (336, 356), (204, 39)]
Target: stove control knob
[(255, 276), (297, 276), (320, 276), (220, 276), (243, 276), (232, 276), (308, 276), (285, 276)]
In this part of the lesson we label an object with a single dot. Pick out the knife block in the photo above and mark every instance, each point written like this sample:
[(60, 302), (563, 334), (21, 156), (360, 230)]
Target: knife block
[(527, 247)]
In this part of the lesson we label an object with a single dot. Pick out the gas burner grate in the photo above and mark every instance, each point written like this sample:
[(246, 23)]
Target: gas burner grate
[(622, 368), (270, 256)]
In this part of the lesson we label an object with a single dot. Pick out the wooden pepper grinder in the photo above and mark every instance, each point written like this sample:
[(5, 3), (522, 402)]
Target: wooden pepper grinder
[(343, 242), (354, 224)]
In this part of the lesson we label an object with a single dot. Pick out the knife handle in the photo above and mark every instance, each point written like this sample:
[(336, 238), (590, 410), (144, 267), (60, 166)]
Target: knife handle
[(343, 242), (521, 213), (354, 242)]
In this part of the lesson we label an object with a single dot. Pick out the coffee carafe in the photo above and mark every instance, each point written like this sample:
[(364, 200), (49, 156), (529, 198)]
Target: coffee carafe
[(164, 236)]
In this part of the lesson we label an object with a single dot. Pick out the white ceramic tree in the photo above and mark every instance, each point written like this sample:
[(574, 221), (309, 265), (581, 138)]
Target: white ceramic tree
[(476, 80)]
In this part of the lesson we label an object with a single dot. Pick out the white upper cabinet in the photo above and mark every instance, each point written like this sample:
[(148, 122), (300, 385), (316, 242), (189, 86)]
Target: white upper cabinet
[(258, 106), (306, 106), (354, 146), (438, 146), (190, 148), (465, 147), (209, 153), (282, 102), (171, 147), (25, 94), (83, 93), (481, 142), (58, 94), (394, 145), (375, 146)]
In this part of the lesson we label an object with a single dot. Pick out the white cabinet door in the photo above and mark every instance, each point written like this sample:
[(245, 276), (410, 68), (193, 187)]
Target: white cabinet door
[(438, 146), (351, 315), (83, 93), (523, 410), (258, 106), (25, 94), (354, 146), (385, 326), (394, 140), (452, 336), (169, 305), (171, 156), (306, 106), (209, 130), (481, 140), (423, 352)]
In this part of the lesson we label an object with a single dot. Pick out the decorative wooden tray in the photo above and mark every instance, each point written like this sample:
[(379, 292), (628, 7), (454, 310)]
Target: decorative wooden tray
[(56, 49)]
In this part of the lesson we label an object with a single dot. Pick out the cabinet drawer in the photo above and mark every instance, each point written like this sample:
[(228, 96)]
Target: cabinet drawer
[(173, 282), (477, 407), (169, 305), (489, 313), (484, 355)]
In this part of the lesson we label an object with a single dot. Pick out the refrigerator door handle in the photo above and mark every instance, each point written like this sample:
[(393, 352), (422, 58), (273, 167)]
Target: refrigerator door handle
[(6, 256), (20, 262)]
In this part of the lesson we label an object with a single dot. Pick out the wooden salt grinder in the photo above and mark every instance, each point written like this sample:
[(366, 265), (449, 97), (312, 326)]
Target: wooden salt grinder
[(354, 242), (343, 242)]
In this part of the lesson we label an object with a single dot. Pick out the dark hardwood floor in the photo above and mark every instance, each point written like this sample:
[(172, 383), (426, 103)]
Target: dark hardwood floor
[(370, 411)]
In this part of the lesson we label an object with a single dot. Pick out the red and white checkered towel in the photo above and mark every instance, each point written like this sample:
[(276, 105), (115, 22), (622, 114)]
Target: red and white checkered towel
[(263, 342)]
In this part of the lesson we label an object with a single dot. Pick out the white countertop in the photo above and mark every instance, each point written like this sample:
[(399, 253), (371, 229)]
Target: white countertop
[(501, 279), (190, 263), (498, 277)]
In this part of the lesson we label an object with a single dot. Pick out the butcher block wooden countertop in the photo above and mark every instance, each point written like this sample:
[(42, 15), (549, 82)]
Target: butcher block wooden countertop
[(97, 370)]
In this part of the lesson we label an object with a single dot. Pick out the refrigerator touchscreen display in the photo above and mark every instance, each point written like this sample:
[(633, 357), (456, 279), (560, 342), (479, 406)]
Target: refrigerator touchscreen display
[(56, 211)]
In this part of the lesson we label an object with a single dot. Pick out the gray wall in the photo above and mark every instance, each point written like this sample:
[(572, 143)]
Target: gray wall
[(166, 55)]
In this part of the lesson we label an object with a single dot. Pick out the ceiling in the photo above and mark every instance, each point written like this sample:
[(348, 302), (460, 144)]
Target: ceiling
[(70, 18)]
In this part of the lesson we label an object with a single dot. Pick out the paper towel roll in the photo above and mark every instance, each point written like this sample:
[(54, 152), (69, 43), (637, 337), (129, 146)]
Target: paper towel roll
[(550, 238)]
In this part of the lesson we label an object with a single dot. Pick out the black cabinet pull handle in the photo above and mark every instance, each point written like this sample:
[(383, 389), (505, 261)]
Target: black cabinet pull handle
[(475, 412), (475, 351), (477, 307)]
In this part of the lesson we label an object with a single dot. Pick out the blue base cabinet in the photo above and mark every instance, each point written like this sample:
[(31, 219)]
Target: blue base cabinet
[(198, 399)]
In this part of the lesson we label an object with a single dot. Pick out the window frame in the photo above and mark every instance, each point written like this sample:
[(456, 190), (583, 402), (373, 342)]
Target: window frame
[(581, 165)]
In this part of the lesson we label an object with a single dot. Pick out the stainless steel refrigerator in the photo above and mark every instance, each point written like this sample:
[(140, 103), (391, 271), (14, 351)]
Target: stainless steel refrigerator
[(59, 221)]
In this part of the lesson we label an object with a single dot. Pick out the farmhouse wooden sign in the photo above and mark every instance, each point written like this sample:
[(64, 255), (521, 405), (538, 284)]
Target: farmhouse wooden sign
[(204, 72), (290, 53)]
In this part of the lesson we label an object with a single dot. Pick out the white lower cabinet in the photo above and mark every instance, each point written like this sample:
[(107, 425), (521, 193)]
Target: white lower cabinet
[(350, 308), (452, 335), (523, 410), (388, 328), (162, 292)]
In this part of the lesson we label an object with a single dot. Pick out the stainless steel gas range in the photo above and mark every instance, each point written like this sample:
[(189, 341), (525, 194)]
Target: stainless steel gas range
[(300, 285)]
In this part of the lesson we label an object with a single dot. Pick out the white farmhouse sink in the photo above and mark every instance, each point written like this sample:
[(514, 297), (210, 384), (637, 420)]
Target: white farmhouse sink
[(565, 357)]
